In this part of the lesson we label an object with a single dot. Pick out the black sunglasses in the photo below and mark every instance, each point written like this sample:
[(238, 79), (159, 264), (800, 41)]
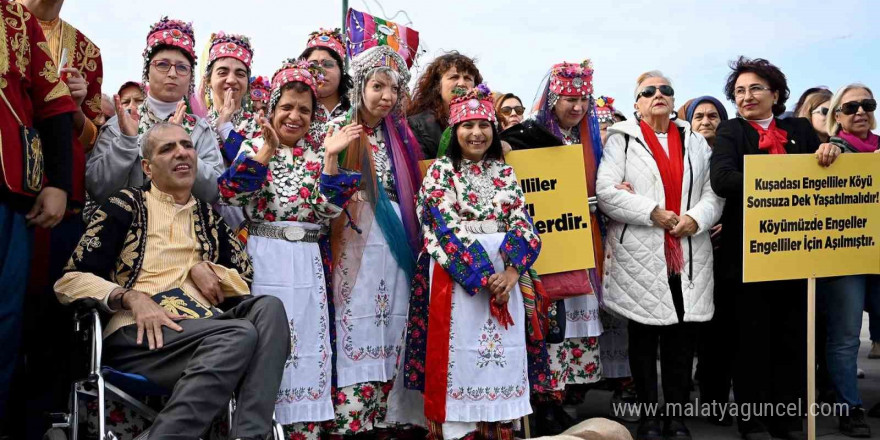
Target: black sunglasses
[(649, 91), (508, 110), (852, 107)]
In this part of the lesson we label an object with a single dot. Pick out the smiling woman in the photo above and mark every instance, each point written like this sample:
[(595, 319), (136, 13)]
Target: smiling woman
[(290, 186), (759, 89), (169, 60)]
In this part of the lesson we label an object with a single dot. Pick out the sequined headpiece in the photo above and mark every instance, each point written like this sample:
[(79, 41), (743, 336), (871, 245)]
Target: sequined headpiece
[(605, 109), (261, 88), (170, 33), (570, 79), (476, 103), (329, 39), (375, 58), (225, 45), (293, 70)]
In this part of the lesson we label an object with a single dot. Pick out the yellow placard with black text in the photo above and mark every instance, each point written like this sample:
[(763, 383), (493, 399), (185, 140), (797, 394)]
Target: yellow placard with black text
[(802, 220), (556, 199)]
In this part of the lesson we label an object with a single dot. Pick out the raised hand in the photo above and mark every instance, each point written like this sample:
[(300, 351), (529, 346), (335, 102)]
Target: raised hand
[(128, 123), (227, 109), (76, 83), (338, 140), (179, 113), (270, 142)]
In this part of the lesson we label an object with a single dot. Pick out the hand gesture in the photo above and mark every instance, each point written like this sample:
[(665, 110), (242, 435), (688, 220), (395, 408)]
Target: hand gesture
[(128, 123), (500, 285), (338, 140), (76, 83), (664, 219), (207, 282), (685, 227), (827, 154), (48, 209), (626, 186), (227, 109), (270, 142), (150, 318), (179, 113)]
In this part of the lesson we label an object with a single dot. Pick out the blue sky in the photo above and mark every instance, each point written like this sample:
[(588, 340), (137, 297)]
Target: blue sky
[(814, 42)]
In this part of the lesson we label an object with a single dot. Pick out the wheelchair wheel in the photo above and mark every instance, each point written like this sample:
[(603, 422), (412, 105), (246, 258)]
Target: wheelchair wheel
[(55, 434)]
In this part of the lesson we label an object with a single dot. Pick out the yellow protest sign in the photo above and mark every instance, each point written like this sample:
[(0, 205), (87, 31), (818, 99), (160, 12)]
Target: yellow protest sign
[(553, 182), (805, 221), (556, 199)]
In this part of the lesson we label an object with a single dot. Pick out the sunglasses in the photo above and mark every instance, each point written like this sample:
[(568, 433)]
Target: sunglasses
[(519, 110), (650, 91), (327, 64), (852, 107), (822, 110)]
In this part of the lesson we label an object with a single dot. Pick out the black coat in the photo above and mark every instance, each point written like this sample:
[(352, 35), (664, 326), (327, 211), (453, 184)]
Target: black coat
[(530, 134), (734, 139), (427, 131)]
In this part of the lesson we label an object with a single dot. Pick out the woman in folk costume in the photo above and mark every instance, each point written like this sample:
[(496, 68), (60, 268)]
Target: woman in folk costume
[(290, 186), (224, 93), (326, 48), (169, 63), (375, 246), (566, 116), (467, 346), (260, 88)]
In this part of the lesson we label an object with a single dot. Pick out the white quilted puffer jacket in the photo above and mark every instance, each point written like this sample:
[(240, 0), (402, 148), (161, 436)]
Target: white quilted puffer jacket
[(636, 285)]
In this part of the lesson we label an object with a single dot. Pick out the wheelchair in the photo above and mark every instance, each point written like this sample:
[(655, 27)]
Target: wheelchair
[(102, 382)]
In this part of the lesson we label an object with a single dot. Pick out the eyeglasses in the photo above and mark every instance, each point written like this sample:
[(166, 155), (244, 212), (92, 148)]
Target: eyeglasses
[(821, 110), (165, 67), (754, 89), (650, 91), (327, 64), (852, 107), (519, 110)]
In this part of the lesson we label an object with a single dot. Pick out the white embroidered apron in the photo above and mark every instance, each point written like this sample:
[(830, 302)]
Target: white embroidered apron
[(294, 272), (488, 369), (371, 316), (582, 317)]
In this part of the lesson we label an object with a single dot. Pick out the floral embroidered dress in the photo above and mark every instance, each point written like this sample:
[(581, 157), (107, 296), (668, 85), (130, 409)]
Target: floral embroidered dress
[(473, 221), (371, 284), (576, 360), (293, 191), (230, 136)]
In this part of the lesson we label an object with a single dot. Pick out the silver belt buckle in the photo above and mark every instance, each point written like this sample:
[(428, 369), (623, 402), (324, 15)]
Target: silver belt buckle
[(489, 227), (294, 233)]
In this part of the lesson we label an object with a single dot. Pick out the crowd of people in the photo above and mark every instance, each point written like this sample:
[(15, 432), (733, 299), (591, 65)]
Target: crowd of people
[(276, 238)]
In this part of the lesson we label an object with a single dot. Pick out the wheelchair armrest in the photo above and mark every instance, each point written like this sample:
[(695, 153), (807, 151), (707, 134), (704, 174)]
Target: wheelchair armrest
[(83, 308)]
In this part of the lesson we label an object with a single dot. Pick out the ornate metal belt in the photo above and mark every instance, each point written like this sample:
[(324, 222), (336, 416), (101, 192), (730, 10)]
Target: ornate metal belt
[(484, 226), (289, 232)]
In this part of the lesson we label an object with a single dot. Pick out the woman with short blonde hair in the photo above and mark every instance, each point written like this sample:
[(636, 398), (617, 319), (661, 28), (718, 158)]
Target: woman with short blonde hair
[(850, 122)]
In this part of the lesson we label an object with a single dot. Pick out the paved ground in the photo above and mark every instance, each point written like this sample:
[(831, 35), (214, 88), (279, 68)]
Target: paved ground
[(598, 404)]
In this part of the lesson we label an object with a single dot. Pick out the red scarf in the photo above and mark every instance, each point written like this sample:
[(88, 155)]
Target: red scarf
[(773, 139), (671, 168)]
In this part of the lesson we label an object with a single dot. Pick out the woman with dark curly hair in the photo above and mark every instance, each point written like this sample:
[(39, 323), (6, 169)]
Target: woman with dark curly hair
[(771, 316), (325, 48), (433, 94)]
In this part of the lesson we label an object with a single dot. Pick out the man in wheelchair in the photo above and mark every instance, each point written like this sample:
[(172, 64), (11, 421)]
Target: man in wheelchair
[(160, 261)]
